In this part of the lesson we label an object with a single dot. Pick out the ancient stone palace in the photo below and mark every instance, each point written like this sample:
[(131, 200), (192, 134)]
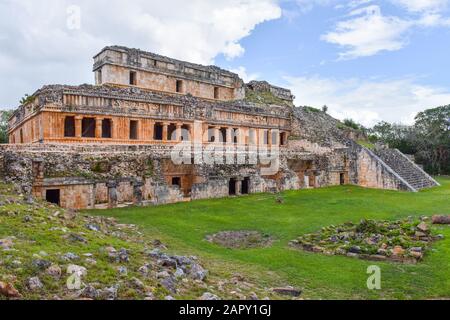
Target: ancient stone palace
[(156, 130)]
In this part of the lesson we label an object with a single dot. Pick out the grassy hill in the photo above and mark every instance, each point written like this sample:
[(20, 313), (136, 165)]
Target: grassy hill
[(186, 225), (41, 246)]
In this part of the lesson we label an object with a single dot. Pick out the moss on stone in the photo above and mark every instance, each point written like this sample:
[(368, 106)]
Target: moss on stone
[(263, 97)]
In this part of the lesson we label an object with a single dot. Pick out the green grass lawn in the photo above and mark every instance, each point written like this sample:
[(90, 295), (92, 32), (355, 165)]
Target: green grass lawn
[(184, 226)]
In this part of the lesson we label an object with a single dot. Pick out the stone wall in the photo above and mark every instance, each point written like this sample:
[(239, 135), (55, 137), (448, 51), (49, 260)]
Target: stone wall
[(264, 86), (113, 65)]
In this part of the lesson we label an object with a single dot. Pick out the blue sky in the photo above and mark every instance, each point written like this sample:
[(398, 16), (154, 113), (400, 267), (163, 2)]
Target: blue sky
[(366, 60)]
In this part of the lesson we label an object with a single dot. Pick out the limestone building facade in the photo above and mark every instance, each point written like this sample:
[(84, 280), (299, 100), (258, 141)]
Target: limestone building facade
[(115, 143)]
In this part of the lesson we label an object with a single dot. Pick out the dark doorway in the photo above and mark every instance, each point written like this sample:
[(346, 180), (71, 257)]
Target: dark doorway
[(246, 186), (223, 135), (282, 139), (176, 181), (53, 196), (88, 127), (179, 86), (232, 187), (133, 130), (342, 179), (106, 128), (133, 78), (158, 133), (69, 127)]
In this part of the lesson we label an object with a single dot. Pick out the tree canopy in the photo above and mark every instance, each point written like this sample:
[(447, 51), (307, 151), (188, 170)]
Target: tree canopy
[(4, 116), (428, 139)]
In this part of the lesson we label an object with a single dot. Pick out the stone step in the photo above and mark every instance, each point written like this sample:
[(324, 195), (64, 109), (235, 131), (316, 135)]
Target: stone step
[(405, 169)]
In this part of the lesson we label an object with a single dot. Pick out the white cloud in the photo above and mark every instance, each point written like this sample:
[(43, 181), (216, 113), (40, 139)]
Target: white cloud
[(37, 47), (420, 6), (243, 73), (368, 101), (368, 32)]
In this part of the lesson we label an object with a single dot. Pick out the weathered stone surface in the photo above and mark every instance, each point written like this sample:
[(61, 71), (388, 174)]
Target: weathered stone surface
[(34, 284), (288, 291), (54, 271), (209, 296), (8, 290), (441, 219), (372, 240)]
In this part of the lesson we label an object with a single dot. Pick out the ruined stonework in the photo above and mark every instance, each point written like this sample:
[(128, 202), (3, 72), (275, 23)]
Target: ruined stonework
[(113, 144)]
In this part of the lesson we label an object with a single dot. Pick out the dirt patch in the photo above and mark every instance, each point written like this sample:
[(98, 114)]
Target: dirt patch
[(240, 239)]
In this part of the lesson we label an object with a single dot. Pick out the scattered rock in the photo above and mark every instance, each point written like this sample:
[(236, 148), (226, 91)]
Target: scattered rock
[(54, 271), (138, 284), (108, 293), (93, 227), (168, 263), (253, 296), (144, 270), (355, 249), (91, 261), (209, 296), (90, 292), (169, 284), (416, 255), (41, 264), (179, 273), (70, 257), (34, 284), (73, 237), (398, 251), (121, 256), (8, 290), (197, 272), (423, 227), (372, 240), (163, 274), (441, 219), (69, 215), (288, 291), (79, 270), (169, 298), (6, 244), (123, 271)]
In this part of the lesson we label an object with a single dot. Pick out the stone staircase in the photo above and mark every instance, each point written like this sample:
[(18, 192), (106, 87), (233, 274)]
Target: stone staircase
[(406, 168)]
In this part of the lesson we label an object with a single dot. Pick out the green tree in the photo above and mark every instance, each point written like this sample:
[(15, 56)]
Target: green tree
[(4, 116), (433, 139), (428, 139)]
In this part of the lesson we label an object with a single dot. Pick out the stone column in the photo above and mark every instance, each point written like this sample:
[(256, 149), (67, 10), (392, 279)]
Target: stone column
[(229, 136), (98, 128), (112, 194), (216, 134), (178, 132), (165, 131), (151, 130), (113, 130), (239, 186), (78, 126), (137, 192), (269, 138)]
